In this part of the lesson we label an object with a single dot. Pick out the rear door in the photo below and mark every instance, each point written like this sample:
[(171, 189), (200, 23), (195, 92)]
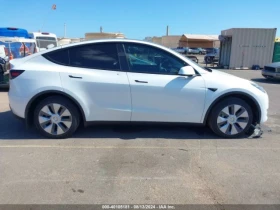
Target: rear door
[(94, 77)]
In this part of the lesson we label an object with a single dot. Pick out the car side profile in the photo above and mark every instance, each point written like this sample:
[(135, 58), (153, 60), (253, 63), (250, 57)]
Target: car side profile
[(197, 51), (121, 81)]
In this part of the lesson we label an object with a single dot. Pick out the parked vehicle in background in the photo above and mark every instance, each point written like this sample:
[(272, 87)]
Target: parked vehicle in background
[(18, 47), (197, 51), (3, 51), (271, 71), (13, 32), (193, 58), (212, 55), (182, 50), (4, 59), (10, 48), (193, 50), (121, 80), (201, 51), (44, 40)]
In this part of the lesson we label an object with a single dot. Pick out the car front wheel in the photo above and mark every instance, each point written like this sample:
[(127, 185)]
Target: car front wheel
[(208, 59), (231, 118), (56, 117)]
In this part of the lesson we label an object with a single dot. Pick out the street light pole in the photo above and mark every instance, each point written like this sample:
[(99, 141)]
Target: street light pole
[(64, 30)]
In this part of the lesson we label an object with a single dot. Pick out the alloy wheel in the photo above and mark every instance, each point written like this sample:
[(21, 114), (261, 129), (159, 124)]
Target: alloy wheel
[(233, 119), (55, 119)]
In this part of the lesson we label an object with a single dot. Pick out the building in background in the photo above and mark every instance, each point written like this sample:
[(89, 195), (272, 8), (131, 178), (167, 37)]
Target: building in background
[(186, 40), (198, 40), (170, 41), (102, 35), (241, 48), (64, 41), (167, 41)]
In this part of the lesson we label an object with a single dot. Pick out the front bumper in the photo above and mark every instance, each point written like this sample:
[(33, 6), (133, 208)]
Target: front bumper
[(264, 105), (271, 74)]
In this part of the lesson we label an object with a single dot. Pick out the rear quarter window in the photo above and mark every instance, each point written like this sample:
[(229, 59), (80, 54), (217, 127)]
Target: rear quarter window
[(58, 56)]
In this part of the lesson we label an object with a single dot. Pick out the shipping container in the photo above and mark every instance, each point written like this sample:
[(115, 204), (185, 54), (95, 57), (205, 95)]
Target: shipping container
[(276, 53), (241, 48)]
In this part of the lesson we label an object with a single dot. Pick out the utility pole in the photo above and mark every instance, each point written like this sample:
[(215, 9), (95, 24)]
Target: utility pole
[(64, 30)]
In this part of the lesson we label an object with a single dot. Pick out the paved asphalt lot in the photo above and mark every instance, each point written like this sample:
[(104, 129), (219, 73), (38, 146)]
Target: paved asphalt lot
[(146, 165)]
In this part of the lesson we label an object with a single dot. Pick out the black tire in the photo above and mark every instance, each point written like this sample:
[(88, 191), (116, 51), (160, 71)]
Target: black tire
[(216, 112), (208, 59), (64, 102), (200, 53)]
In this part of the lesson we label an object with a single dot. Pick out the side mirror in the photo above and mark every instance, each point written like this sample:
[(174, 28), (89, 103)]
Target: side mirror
[(187, 71)]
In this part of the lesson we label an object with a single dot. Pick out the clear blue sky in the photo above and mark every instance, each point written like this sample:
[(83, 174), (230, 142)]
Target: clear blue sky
[(138, 19)]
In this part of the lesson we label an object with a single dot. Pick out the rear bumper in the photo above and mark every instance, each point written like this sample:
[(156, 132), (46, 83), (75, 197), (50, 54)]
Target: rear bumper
[(16, 116), (17, 105)]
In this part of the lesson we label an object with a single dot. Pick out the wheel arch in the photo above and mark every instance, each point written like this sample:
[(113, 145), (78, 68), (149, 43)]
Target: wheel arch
[(244, 96), (35, 100)]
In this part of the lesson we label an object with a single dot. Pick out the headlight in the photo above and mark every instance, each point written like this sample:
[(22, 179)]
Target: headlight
[(259, 87)]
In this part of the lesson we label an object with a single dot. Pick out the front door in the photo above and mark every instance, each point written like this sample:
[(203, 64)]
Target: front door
[(158, 93)]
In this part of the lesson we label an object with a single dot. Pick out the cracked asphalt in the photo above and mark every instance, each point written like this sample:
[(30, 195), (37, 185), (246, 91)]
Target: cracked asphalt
[(143, 165)]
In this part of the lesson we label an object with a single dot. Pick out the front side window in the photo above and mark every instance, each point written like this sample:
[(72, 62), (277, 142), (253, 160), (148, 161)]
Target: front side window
[(96, 56), (147, 59)]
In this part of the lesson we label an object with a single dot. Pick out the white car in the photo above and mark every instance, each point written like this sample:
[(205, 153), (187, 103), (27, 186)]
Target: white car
[(123, 80)]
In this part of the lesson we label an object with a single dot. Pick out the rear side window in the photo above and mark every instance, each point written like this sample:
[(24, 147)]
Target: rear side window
[(58, 56), (95, 56)]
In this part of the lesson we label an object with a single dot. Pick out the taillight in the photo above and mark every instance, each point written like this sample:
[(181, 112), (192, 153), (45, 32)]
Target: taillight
[(15, 73)]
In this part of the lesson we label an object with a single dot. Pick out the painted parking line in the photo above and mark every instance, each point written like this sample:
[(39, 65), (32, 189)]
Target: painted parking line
[(135, 147)]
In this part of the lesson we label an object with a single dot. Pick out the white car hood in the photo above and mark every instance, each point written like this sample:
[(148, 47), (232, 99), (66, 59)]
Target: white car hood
[(274, 65), (217, 78)]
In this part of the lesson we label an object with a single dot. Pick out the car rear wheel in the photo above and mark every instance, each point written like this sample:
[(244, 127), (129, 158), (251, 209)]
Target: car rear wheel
[(231, 118), (56, 117)]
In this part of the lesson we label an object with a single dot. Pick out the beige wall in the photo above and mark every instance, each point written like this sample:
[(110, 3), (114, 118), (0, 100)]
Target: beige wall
[(167, 41), (157, 40), (171, 41), (89, 36), (203, 43)]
